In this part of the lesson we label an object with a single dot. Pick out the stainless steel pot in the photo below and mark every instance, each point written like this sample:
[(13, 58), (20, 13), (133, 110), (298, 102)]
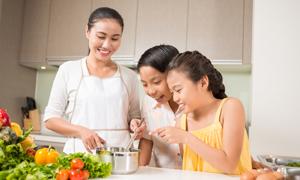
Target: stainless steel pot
[(123, 162)]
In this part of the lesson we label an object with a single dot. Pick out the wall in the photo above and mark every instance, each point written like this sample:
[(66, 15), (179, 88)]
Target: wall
[(275, 78), (17, 82)]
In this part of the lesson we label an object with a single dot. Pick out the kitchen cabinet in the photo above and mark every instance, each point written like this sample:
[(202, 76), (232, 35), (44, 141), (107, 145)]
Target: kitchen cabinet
[(216, 29), (161, 22), (35, 32), (66, 39), (128, 10)]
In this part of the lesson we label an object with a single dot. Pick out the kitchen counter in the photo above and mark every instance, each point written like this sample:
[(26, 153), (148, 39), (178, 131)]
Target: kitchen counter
[(151, 173)]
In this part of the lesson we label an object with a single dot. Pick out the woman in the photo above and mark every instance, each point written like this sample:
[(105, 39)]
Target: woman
[(158, 107), (93, 100)]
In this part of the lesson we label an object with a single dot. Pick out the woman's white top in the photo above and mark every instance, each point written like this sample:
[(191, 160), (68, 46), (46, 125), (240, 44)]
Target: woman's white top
[(104, 105), (156, 116)]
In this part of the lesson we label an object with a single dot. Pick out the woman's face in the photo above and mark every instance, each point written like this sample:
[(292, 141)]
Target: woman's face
[(155, 84), (104, 38), (186, 93)]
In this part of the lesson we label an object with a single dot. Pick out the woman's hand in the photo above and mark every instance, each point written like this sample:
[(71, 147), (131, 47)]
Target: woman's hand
[(137, 127), (90, 139), (171, 135)]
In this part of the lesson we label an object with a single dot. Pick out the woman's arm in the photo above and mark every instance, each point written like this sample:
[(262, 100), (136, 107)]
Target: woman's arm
[(90, 139), (145, 146)]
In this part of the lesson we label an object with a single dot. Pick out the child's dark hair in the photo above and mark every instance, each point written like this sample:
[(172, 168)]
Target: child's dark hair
[(196, 66), (158, 57), (105, 13)]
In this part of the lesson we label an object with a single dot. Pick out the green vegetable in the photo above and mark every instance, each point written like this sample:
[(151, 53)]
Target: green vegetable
[(11, 155), (24, 135), (92, 163)]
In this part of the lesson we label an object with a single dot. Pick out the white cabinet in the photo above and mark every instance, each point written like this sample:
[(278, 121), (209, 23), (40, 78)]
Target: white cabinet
[(161, 22), (66, 39), (215, 28), (128, 10), (35, 33)]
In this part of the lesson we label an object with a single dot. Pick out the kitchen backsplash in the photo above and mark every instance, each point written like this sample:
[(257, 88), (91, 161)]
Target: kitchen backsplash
[(237, 83)]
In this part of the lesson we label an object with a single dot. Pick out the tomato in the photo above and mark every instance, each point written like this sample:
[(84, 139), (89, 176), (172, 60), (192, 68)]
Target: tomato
[(52, 156), (86, 174), (76, 174), (45, 156), (62, 175), (77, 163)]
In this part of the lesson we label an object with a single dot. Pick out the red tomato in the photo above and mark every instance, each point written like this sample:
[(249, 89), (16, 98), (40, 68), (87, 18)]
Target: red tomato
[(77, 163), (86, 174), (76, 174), (62, 175)]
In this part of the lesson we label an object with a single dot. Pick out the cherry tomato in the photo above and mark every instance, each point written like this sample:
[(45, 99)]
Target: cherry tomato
[(86, 174), (77, 163), (62, 175), (76, 174)]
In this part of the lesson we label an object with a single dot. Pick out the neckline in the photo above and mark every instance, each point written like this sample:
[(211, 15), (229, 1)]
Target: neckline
[(85, 71), (215, 121)]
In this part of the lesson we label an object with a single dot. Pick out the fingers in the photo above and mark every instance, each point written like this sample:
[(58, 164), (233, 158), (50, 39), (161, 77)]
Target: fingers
[(91, 140), (134, 124)]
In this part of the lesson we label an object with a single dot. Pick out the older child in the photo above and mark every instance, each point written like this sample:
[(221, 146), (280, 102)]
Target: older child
[(158, 107), (212, 131)]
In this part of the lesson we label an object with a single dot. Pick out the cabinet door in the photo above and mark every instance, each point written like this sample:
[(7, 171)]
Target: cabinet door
[(128, 10), (215, 28), (161, 22), (35, 32), (67, 29)]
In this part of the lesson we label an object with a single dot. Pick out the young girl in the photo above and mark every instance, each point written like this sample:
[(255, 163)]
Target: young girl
[(158, 107), (93, 99), (212, 131)]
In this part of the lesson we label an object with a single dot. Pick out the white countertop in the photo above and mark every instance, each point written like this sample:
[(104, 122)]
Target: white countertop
[(151, 173)]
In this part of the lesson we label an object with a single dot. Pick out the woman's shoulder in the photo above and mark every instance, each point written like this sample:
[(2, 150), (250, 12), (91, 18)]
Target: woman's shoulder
[(71, 64)]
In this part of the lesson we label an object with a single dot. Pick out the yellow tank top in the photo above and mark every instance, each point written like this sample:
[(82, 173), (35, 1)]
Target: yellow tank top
[(212, 135)]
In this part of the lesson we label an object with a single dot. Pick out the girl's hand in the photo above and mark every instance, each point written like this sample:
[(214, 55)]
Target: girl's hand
[(137, 127), (171, 135), (90, 139)]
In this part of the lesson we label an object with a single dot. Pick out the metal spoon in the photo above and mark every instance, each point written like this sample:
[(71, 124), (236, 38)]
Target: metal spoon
[(133, 136)]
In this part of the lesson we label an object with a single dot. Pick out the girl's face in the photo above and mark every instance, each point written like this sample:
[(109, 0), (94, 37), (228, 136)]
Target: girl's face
[(104, 38), (186, 93), (155, 84)]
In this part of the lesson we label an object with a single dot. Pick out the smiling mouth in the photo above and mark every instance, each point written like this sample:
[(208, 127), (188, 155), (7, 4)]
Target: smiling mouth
[(103, 52)]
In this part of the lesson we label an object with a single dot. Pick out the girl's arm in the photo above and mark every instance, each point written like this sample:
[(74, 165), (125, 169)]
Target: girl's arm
[(145, 146), (227, 157)]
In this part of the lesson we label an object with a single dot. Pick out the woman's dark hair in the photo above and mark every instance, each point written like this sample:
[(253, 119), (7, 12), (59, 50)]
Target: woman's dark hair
[(105, 13), (157, 57), (196, 66)]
